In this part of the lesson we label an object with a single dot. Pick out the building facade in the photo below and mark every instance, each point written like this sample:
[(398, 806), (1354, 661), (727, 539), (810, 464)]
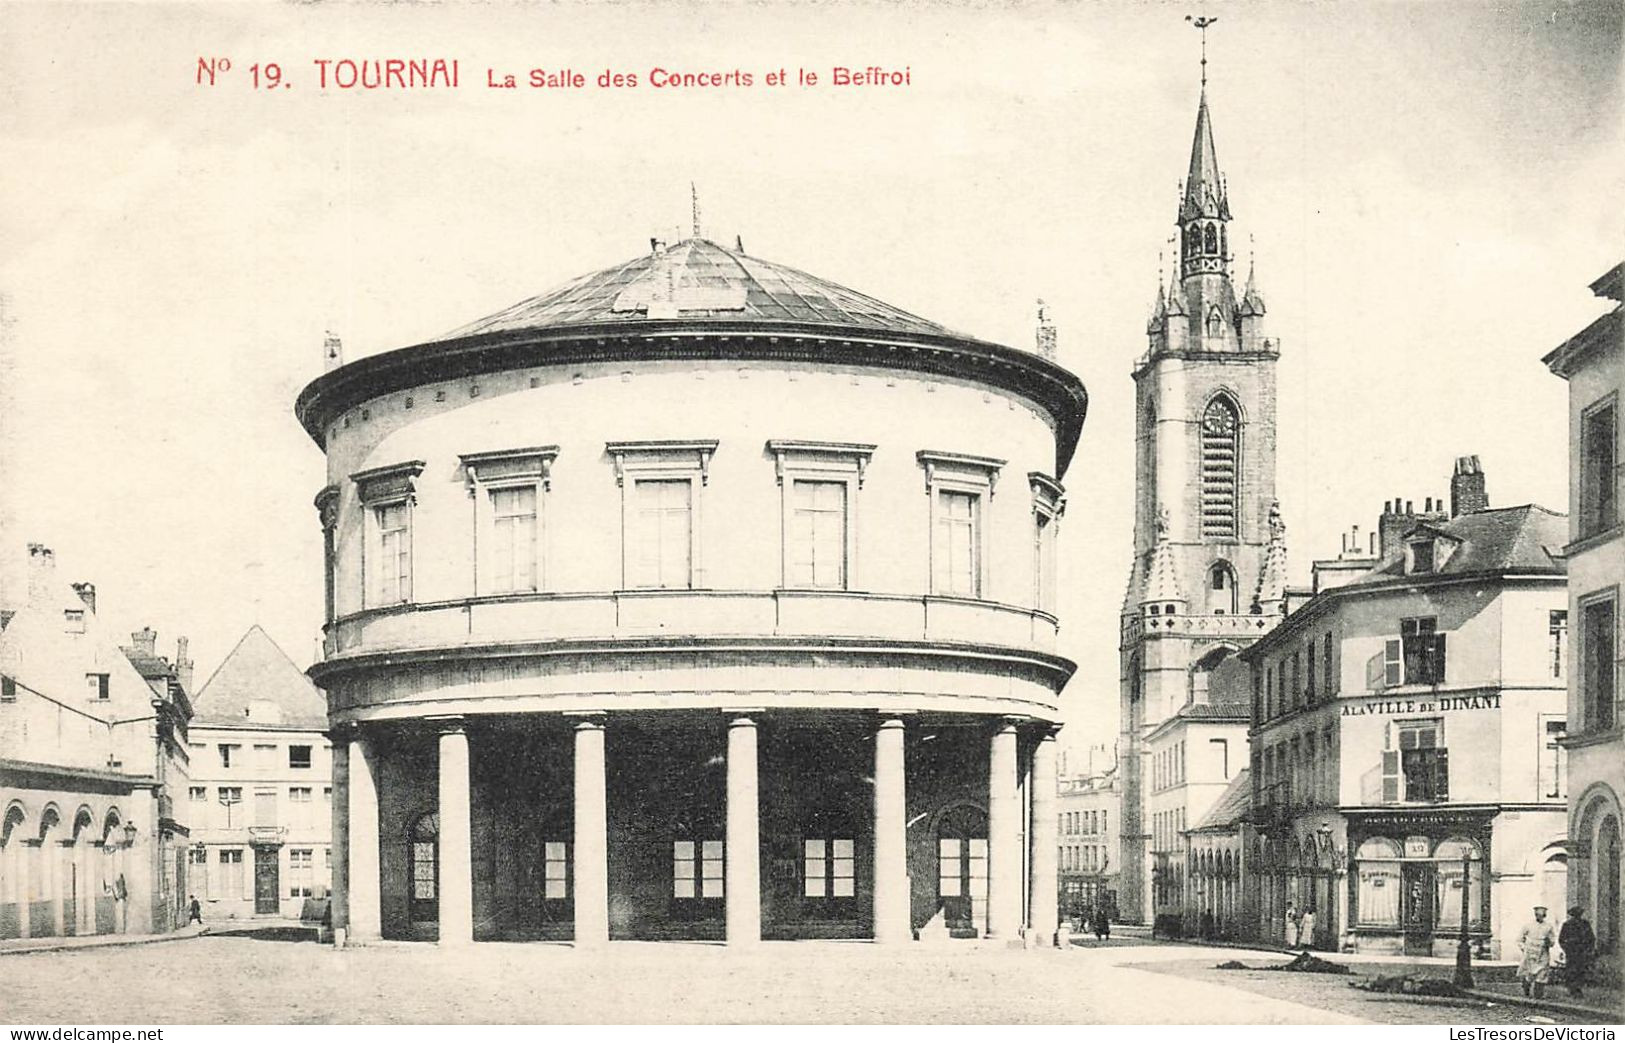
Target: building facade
[(698, 598), (1591, 362), (1221, 899), (1208, 575), (1191, 759), (261, 792), (1408, 724), (93, 750), (1090, 807)]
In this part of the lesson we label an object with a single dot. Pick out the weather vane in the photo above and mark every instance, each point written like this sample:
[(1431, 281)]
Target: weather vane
[(1202, 23)]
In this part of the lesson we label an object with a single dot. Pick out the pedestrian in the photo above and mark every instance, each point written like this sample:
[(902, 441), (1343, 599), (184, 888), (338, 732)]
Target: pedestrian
[(1579, 944), (1291, 926), (194, 911), (1535, 941), (1103, 924), (1306, 929)]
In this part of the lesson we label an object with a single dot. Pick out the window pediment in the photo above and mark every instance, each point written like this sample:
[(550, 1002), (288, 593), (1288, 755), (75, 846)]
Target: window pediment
[(534, 463), (392, 481), (836, 458), (673, 455), (962, 467)]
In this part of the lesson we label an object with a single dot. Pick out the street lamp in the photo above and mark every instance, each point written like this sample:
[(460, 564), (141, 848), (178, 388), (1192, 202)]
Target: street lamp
[(1464, 950)]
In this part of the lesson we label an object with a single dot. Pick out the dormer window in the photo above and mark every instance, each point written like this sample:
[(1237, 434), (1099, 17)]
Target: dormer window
[(1422, 556), (1426, 552)]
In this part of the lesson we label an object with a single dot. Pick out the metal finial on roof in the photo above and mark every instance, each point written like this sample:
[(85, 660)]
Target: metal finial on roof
[(1202, 23), (694, 200)]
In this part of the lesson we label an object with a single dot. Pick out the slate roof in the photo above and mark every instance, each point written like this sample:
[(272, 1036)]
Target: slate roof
[(1524, 539), (700, 279), (1231, 809), (258, 675)]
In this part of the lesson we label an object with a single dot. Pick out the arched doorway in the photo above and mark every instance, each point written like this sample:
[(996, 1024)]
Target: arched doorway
[(962, 870)]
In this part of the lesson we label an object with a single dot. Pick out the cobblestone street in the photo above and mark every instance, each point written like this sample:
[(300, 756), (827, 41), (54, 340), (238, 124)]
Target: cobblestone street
[(267, 977)]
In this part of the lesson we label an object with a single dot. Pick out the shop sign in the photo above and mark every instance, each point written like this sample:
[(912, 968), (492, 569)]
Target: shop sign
[(1418, 847), (1431, 704)]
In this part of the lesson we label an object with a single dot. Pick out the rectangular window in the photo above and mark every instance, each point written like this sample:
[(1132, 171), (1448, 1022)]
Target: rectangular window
[(1330, 678), (1422, 760), (97, 683), (8, 690), (197, 794), (1597, 652), (298, 756), (817, 534), (327, 794), (230, 880), (299, 794), (555, 870), (1557, 637), (265, 807), (697, 869), (1553, 759), (225, 754), (1423, 650), (1599, 507), (662, 539), (423, 870), (392, 571), (829, 868), (301, 866), (265, 756), (958, 564), (73, 620), (1309, 671), (513, 539)]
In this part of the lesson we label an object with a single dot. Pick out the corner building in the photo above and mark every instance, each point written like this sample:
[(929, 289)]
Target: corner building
[(698, 598)]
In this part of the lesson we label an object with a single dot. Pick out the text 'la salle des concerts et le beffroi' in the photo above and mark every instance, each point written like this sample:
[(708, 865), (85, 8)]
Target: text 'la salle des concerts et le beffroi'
[(439, 74)]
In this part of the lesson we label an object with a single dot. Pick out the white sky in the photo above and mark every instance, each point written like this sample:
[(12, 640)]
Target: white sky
[(1430, 188)]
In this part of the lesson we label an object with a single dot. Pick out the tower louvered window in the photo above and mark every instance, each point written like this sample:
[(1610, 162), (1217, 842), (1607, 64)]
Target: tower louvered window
[(1220, 445)]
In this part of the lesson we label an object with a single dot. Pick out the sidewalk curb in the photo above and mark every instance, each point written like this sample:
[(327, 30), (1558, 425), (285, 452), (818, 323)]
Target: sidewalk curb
[(116, 941)]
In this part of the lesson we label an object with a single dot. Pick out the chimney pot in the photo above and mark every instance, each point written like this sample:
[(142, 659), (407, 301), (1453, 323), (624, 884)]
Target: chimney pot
[(87, 594), (145, 641), (1409, 508)]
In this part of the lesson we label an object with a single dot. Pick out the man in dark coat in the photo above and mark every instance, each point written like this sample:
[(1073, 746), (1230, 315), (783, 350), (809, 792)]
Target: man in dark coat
[(1579, 944)]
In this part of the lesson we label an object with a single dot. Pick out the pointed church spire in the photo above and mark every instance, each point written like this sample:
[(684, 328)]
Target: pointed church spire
[(1162, 575), (1271, 592)]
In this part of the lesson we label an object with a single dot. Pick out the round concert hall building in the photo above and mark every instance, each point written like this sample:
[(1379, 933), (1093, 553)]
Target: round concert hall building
[(698, 598)]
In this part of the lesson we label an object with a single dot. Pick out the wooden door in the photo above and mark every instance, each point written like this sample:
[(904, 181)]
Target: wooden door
[(267, 883), (1417, 912)]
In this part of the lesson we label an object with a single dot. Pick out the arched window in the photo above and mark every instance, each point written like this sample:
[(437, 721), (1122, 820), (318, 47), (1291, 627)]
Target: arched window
[(424, 867), (1224, 244), (1221, 442), (1221, 589), (1448, 880), (1215, 322), (1210, 240), (1193, 241)]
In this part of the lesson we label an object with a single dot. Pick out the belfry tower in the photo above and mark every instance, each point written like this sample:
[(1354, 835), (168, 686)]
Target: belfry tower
[(1208, 575)]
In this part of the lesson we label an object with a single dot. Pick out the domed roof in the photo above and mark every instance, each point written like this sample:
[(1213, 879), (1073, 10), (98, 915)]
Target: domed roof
[(698, 279)]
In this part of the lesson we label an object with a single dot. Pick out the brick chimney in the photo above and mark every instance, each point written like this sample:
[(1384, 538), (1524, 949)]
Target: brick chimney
[(1467, 493), (41, 570), (144, 642), (183, 664), (1399, 517), (87, 594)]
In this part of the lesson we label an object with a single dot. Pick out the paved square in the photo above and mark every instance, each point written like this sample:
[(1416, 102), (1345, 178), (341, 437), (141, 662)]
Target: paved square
[(267, 976)]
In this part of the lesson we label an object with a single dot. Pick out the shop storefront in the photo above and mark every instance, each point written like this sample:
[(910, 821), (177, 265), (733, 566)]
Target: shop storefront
[(1411, 869)]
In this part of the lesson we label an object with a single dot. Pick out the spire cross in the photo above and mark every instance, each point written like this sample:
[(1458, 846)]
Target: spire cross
[(694, 202), (1202, 23)]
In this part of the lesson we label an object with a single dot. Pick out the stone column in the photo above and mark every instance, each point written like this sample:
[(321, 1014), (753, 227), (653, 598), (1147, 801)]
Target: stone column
[(59, 853), (591, 853), (361, 877), (893, 921), (1043, 903), (456, 843), (1003, 837), (25, 928), (338, 888), (743, 881)]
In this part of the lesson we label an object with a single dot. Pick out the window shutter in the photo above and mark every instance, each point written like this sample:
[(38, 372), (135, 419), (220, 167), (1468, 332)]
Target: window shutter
[(1441, 773), (1374, 673), (1390, 776), (1436, 668), (1392, 660)]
